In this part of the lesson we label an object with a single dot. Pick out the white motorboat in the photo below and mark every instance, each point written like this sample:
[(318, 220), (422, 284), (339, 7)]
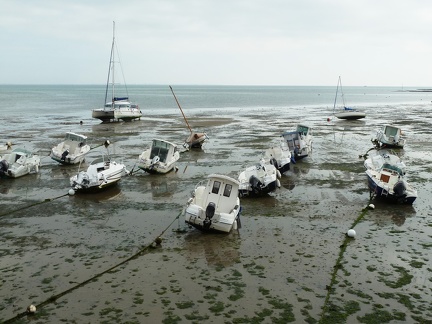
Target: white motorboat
[(118, 108), (299, 142), (279, 156), (161, 157), (71, 150), (101, 173), (215, 206), (19, 163), (389, 137), (194, 140), (345, 112), (386, 178), (258, 180)]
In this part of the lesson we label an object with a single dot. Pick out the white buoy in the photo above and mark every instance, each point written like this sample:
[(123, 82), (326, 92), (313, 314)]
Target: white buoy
[(371, 206), (351, 233), (71, 192), (31, 309)]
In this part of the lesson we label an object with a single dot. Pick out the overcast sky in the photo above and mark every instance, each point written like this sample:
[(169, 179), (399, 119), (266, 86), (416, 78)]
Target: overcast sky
[(232, 42)]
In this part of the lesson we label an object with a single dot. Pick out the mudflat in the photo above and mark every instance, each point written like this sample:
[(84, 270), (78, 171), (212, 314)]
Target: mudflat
[(93, 257)]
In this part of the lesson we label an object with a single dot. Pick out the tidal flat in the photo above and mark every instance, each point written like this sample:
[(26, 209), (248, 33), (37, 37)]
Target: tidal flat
[(93, 258)]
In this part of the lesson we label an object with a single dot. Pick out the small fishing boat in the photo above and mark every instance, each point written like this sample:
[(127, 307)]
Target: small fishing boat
[(194, 140), (299, 142), (161, 157), (19, 163), (345, 112), (118, 108), (101, 173), (386, 178), (389, 137), (71, 150), (259, 179), (279, 156), (214, 206)]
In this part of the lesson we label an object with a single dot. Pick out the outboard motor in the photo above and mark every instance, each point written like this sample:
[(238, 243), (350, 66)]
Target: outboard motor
[(64, 154), (255, 184), (154, 161), (399, 189), (210, 211), (274, 162), (4, 166)]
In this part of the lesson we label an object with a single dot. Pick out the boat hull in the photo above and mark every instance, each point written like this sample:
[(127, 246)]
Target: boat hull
[(388, 194), (220, 223), (98, 177), (105, 115), (352, 115), (214, 207), (127, 114)]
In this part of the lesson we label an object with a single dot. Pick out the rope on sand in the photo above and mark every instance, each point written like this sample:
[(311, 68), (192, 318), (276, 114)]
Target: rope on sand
[(34, 204), (54, 298), (327, 306)]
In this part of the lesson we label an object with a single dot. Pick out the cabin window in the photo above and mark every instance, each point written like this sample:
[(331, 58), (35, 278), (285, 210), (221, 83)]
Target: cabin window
[(227, 191), (216, 186)]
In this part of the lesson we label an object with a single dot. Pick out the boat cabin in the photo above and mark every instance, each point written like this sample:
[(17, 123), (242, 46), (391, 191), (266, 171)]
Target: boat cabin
[(222, 193), (162, 149)]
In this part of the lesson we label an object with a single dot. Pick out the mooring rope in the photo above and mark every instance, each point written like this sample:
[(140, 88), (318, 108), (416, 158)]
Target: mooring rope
[(338, 266), (34, 204), (52, 299)]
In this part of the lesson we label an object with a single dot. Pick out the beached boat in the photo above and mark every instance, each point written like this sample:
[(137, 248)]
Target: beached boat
[(161, 157), (279, 156), (386, 178), (215, 206), (345, 112), (390, 137), (71, 150), (118, 108), (194, 140), (299, 142), (259, 179), (101, 173), (19, 163)]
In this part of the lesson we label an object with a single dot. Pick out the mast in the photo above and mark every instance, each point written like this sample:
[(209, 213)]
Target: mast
[(109, 72), (181, 110), (113, 60), (337, 88)]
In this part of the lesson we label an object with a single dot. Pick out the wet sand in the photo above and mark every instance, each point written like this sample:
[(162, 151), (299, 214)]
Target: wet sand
[(291, 261)]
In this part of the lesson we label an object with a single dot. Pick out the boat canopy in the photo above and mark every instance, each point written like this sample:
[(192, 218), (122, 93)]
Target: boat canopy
[(75, 137), (392, 167)]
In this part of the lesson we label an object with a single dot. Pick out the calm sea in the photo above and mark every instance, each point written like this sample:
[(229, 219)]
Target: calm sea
[(36, 101)]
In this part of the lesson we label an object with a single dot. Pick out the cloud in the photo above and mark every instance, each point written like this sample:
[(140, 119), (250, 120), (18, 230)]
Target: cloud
[(307, 42)]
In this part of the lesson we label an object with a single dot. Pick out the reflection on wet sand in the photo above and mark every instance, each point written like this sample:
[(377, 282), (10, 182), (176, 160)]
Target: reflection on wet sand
[(111, 193), (395, 214), (218, 249)]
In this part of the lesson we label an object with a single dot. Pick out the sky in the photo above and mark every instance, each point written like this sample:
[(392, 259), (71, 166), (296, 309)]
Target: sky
[(218, 42)]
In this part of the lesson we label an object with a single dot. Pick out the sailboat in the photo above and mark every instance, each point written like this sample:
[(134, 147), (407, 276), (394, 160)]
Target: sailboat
[(346, 112), (194, 140), (119, 108)]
